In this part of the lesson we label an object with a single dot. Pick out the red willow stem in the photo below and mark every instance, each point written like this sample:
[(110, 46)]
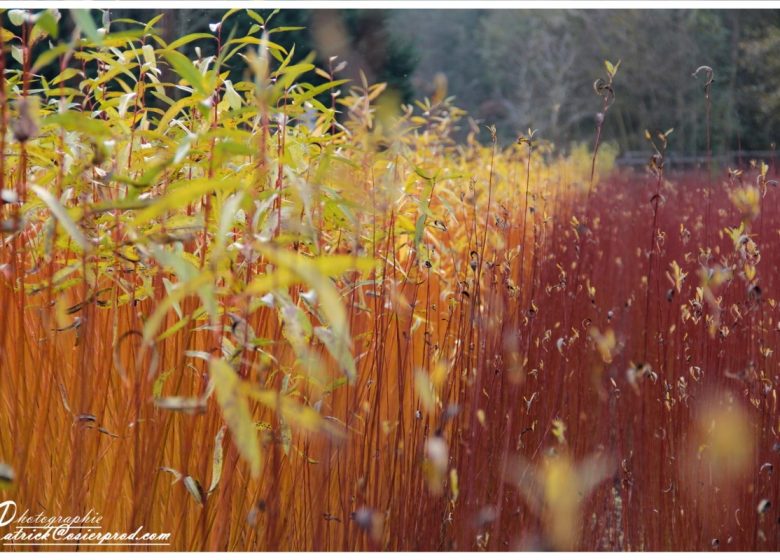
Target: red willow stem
[(656, 199)]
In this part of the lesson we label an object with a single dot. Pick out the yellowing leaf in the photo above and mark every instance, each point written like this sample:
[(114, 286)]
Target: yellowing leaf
[(454, 488), (178, 196), (61, 313), (285, 434), (676, 276), (59, 212), (181, 41), (227, 216), (293, 412), (338, 349), (314, 272), (76, 122), (232, 400), (187, 70), (422, 385), (86, 24), (159, 382), (216, 464), (199, 283), (559, 430), (232, 96), (605, 343), (439, 375)]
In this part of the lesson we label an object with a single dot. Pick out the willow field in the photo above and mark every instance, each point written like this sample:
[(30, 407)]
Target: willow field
[(291, 313)]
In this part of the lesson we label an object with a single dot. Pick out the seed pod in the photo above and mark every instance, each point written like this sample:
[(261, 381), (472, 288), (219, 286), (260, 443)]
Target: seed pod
[(26, 126)]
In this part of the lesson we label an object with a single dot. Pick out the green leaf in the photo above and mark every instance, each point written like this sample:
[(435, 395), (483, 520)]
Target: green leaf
[(229, 13), (260, 42), (16, 17), (181, 41), (84, 21), (76, 122), (59, 212), (315, 91), (65, 75), (227, 217), (158, 384), (149, 57), (48, 23), (423, 173), (419, 229), (17, 54), (48, 56), (231, 398), (186, 69), (286, 28), (232, 96), (149, 27), (255, 16)]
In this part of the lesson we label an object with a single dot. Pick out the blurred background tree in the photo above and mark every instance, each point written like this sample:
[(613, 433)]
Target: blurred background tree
[(535, 68)]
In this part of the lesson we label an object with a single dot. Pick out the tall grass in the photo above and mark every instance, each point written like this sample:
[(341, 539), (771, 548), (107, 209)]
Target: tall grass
[(231, 316)]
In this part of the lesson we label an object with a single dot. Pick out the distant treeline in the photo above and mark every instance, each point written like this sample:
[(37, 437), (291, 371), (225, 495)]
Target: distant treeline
[(535, 68)]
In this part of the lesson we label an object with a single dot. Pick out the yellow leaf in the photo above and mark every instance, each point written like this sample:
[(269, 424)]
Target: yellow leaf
[(315, 273), (61, 313), (559, 430), (153, 323), (293, 412), (424, 391), (454, 489), (59, 212), (605, 343), (439, 375), (235, 409), (178, 196)]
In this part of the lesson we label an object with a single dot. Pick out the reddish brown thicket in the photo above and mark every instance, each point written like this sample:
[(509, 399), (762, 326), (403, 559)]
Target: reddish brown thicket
[(672, 444)]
